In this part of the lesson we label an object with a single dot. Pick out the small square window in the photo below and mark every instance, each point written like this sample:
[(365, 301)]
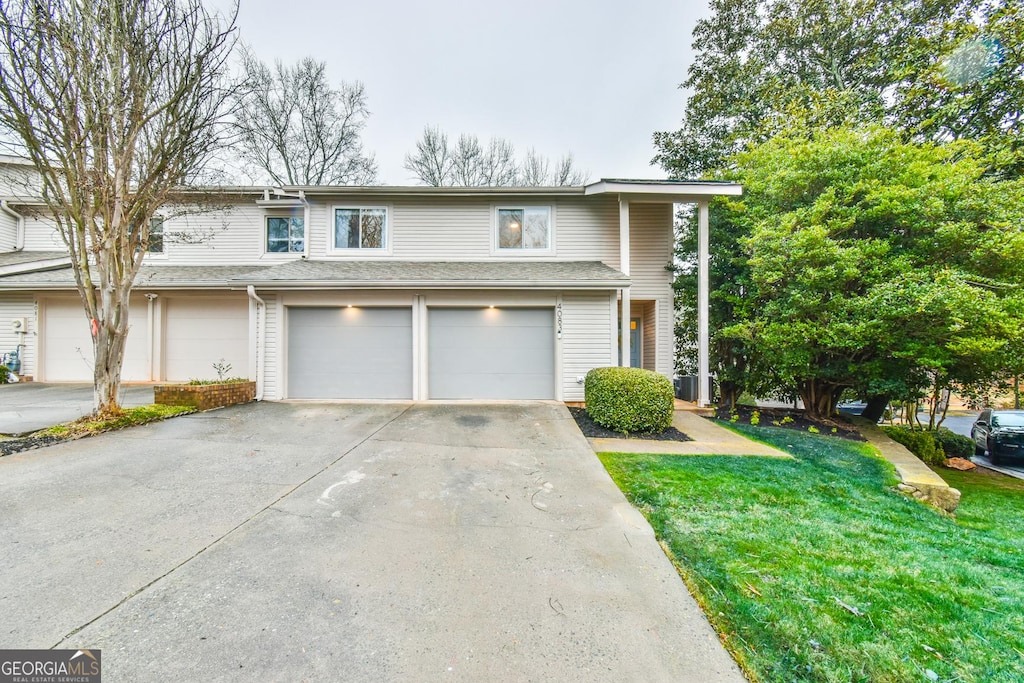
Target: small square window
[(155, 244), (362, 228), (286, 235), (524, 228)]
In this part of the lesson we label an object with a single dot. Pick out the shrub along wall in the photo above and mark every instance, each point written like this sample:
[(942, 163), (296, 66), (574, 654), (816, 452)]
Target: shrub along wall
[(204, 396), (629, 399)]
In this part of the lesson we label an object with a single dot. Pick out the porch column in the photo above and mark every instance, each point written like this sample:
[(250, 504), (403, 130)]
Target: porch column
[(703, 334), (624, 267)]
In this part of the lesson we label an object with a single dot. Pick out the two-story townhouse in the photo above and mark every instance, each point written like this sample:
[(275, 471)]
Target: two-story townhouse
[(375, 292)]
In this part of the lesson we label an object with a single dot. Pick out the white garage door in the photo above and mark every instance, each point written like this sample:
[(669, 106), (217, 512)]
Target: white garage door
[(350, 353), (67, 343), (201, 332), (491, 353)]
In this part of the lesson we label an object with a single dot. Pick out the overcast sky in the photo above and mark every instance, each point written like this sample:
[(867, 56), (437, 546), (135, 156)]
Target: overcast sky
[(591, 77)]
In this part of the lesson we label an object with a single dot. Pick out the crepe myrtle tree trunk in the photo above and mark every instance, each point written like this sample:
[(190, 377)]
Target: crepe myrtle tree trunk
[(118, 105)]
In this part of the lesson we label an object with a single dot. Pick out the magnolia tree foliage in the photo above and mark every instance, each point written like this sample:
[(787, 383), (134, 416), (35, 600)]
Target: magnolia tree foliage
[(117, 105), (864, 262), (933, 69)]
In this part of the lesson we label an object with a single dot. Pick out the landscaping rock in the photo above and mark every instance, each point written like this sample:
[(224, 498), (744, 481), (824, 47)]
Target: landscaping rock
[(960, 464)]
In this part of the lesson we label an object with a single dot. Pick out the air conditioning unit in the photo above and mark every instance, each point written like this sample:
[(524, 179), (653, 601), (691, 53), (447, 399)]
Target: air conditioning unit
[(19, 325)]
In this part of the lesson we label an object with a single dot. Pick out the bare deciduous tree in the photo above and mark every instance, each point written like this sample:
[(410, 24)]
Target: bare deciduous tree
[(468, 163), (432, 163), (293, 128), (117, 105)]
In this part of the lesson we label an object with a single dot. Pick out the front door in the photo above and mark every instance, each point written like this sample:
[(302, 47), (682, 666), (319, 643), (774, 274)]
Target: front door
[(634, 342)]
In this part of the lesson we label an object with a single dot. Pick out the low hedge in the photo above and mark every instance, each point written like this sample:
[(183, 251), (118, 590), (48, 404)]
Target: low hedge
[(920, 443), (955, 445), (629, 399)]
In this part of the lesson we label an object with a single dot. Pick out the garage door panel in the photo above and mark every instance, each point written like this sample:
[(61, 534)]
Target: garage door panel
[(491, 353), (350, 353), (67, 343), (201, 332)]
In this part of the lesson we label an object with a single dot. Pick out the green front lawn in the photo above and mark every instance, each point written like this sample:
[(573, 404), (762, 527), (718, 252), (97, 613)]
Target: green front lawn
[(814, 569)]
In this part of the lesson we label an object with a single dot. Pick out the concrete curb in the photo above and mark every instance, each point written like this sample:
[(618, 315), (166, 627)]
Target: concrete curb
[(916, 478)]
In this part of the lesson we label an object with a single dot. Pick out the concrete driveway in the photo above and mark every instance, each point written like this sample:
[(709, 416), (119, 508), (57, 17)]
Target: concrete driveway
[(27, 407), (287, 542)]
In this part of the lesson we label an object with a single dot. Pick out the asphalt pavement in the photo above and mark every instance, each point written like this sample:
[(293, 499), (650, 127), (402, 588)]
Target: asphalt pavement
[(29, 406)]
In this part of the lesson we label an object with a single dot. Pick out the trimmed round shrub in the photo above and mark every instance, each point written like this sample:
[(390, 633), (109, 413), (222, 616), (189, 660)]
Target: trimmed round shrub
[(955, 445), (921, 443), (629, 399)]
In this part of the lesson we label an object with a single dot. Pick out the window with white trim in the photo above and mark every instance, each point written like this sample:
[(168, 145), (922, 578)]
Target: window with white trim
[(155, 245), (363, 227), (523, 228), (286, 234)]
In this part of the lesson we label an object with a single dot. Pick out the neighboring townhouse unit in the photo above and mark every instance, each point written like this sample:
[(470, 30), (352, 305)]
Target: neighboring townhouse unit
[(374, 292)]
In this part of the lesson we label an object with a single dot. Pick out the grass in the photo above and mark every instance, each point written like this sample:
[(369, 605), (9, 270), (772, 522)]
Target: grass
[(814, 569), (129, 417)]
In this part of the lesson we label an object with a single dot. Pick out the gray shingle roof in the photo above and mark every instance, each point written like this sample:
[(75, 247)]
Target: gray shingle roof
[(439, 273), (153, 276), (359, 274), (16, 258)]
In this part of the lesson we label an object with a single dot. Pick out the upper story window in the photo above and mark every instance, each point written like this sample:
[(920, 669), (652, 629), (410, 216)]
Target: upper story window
[(524, 228), (156, 235), (360, 228), (286, 235)]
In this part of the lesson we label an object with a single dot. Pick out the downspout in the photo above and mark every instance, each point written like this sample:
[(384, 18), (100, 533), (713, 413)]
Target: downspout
[(19, 235), (261, 307)]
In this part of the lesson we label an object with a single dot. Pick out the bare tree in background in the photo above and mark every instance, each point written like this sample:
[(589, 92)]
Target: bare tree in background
[(293, 128), (468, 163), (117, 104), (433, 163)]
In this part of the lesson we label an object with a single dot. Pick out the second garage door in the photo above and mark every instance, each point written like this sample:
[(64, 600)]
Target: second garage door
[(491, 353), (350, 353), (202, 332)]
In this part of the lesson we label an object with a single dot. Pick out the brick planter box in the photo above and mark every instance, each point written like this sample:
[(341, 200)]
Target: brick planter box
[(204, 396)]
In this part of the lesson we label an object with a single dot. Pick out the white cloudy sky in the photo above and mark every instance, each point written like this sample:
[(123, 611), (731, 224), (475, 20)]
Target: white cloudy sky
[(593, 77)]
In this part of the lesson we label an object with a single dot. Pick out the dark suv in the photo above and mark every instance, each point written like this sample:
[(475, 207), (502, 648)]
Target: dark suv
[(1001, 433)]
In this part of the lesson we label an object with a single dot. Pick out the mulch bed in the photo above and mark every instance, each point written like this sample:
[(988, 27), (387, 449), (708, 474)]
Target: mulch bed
[(592, 430), (789, 418), (28, 443)]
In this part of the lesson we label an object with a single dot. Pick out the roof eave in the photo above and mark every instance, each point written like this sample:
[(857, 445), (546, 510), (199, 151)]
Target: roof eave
[(34, 266), (666, 191), (435, 284)]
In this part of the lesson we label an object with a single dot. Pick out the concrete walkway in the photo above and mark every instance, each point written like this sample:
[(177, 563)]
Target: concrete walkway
[(708, 439), (356, 542)]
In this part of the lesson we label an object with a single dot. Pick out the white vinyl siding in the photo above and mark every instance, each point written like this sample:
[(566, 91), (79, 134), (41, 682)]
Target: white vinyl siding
[(14, 306), (588, 230), (586, 338), (217, 237), (271, 385), (41, 234), (442, 229), (8, 232), (650, 250), (651, 356)]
